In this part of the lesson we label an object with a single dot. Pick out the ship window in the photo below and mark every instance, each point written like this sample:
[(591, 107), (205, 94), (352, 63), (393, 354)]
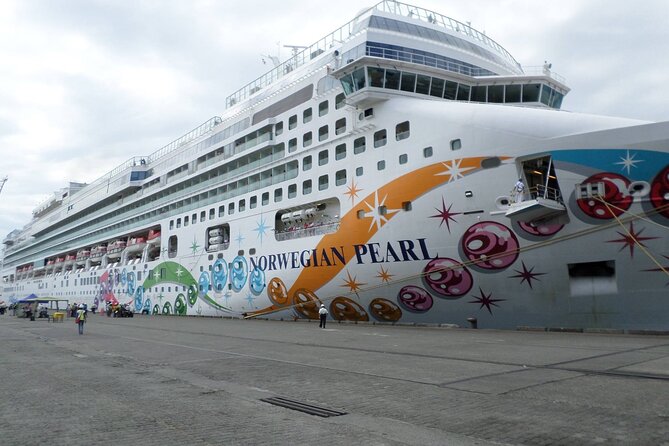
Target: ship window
[(340, 177), (278, 195), (265, 198), (512, 93), (556, 99), (323, 133), (306, 115), (323, 108), (242, 205), (479, 93), (375, 77), (172, 246), (292, 122), (292, 145), (404, 158), (203, 216), (383, 210), (340, 101), (408, 82), (463, 92), (193, 219), (340, 152), (217, 238), (546, 93), (496, 93), (380, 138), (360, 214), (340, 126), (231, 208), (406, 206), (306, 163), (323, 182), (456, 144), (450, 90), (359, 171), (221, 211), (292, 190), (278, 128), (178, 222), (253, 202), (322, 157), (437, 87), (306, 139), (402, 130), (531, 92), (359, 78), (427, 152), (392, 79), (212, 213), (423, 84), (306, 187), (347, 83), (359, 145), (171, 224), (381, 165)]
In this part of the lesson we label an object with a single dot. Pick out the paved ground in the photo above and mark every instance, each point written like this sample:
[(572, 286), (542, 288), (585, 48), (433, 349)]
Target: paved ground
[(197, 381)]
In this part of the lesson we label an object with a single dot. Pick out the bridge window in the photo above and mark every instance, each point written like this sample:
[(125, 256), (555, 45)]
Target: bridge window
[(450, 90), (496, 93), (463, 92), (512, 93), (531, 92), (437, 87), (392, 80), (408, 82), (422, 84)]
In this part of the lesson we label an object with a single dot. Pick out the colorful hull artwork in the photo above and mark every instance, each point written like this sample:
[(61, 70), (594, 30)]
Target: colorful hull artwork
[(443, 263)]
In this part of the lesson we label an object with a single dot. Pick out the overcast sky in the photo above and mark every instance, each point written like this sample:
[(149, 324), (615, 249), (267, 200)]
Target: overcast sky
[(86, 84)]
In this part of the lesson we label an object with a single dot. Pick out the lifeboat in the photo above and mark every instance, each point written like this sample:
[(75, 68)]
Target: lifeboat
[(50, 264), (115, 248), (98, 251), (215, 240), (215, 232), (153, 237), (136, 244), (82, 256), (69, 259)]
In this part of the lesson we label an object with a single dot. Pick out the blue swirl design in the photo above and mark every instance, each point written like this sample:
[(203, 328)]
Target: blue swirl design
[(131, 283), (124, 277), (147, 305), (203, 283), (219, 275), (139, 298), (238, 273), (257, 281)]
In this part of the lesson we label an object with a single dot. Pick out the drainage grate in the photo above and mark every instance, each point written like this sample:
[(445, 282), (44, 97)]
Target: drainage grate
[(303, 407)]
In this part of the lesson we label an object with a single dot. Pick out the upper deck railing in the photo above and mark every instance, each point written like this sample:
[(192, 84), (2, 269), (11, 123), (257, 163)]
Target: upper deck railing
[(345, 32)]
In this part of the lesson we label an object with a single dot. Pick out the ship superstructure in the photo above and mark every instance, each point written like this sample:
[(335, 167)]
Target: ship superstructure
[(373, 172)]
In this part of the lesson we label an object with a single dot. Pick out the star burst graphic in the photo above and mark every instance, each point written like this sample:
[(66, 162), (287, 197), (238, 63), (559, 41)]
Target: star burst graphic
[(352, 191), (240, 238), (261, 229), (527, 275), (454, 170), (628, 162), (485, 300), (250, 299), (374, 213), (445, 214), (352, 284), (384, 275), (194, 247), (630, 240)]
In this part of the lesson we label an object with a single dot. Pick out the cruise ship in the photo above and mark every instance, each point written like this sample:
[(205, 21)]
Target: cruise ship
[(405, 168)]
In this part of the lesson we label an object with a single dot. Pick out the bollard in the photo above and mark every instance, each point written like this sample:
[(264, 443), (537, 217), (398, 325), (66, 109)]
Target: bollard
[(472, 322)]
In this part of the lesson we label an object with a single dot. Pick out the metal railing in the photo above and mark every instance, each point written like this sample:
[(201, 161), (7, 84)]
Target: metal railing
[(547, 193)]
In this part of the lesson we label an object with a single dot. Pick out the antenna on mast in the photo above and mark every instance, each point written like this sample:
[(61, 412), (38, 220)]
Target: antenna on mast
[(295, 48)]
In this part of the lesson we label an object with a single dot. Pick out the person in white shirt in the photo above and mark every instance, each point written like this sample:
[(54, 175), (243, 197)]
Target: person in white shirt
[(323, 312), (519, 190)]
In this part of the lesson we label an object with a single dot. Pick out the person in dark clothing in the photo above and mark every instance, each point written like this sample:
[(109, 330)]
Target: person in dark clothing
[(323, 312)]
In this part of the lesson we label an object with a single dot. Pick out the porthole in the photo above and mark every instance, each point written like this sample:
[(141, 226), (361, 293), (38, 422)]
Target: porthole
[(502, 202)]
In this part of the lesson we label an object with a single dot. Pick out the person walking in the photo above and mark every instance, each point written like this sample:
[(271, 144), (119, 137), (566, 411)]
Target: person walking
[(81, 319), (323, 312)]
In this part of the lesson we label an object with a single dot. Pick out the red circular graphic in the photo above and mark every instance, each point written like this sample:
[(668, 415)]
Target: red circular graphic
[(540, 229), (659, 192), (616, 193), (447, 278), (415, 299), (490, 245)]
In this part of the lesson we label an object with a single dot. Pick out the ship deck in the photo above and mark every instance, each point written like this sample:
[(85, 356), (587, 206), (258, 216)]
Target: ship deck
[(185, 380)]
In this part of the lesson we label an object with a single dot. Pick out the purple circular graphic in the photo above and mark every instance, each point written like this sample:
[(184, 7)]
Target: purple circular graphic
[(540, 229), (447, 278), (490, 245), (415, 299)]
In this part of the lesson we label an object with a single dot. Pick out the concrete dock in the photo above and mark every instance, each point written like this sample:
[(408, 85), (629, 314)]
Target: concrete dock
[(207, 381)]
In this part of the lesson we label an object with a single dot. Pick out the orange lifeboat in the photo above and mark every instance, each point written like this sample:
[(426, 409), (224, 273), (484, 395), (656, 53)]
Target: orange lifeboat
[(154, 237)]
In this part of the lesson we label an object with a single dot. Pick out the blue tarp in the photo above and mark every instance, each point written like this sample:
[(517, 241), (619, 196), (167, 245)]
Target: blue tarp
[(30, 298)]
